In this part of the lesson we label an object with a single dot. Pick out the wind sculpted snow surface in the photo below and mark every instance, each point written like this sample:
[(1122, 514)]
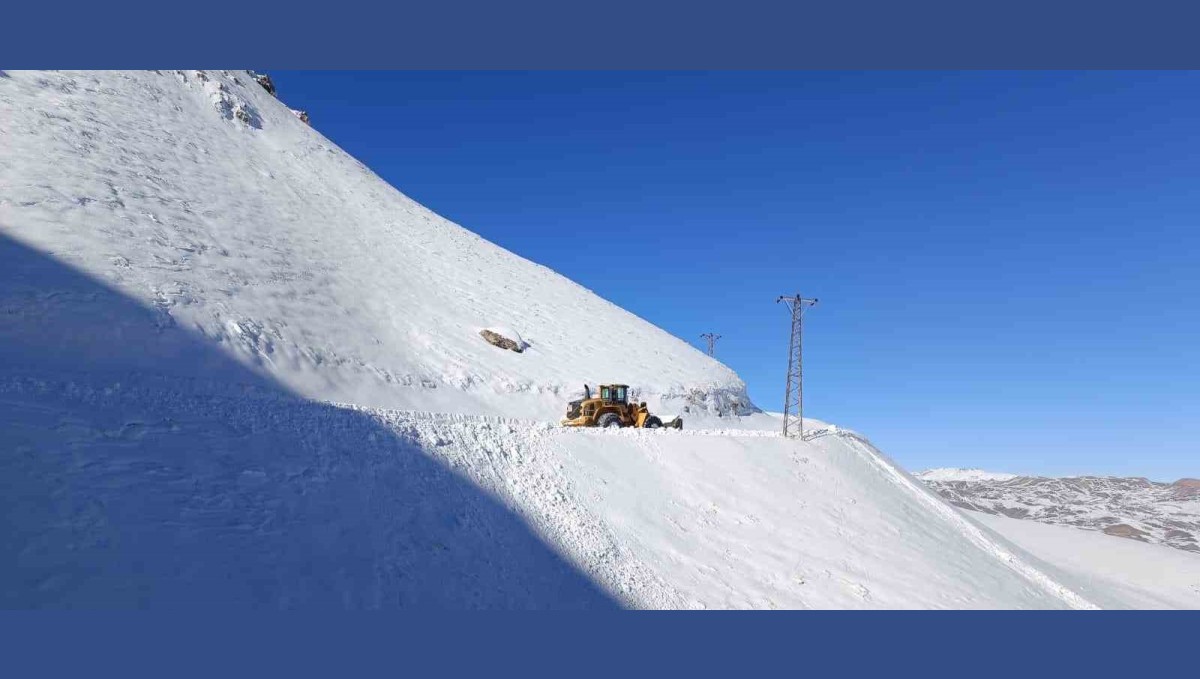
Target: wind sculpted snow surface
[(200, 195), (156, 495), (240, 369)]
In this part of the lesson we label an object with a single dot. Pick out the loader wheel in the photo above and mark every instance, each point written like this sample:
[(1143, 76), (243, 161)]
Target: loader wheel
[(609, 420), (653, 423)]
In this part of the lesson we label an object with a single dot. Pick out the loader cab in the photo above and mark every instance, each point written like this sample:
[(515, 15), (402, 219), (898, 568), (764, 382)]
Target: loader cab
[(614, 393)]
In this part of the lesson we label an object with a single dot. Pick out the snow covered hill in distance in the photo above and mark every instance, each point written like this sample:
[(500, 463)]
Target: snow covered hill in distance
[(1135, 508), (239, 369), (945, 474)]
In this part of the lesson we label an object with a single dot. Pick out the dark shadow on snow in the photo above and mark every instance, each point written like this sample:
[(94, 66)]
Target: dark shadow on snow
[(140, 466)]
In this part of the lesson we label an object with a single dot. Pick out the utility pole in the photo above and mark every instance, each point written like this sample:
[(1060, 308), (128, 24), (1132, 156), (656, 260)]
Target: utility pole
[(793, 399), (712, 342)]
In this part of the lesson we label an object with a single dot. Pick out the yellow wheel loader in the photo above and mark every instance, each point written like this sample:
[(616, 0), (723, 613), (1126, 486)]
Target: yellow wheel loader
[(611, 408)]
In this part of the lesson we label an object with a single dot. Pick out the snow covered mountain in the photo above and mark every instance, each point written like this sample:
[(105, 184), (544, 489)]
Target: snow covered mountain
[(945, 474), (239, 369), (201, 196), (1136, 508)]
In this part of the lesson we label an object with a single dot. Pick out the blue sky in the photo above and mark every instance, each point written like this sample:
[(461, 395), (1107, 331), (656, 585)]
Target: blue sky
[(1006, 262)]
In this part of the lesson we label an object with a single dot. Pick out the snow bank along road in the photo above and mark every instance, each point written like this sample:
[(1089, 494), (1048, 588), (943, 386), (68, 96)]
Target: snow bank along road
[(162, 494)]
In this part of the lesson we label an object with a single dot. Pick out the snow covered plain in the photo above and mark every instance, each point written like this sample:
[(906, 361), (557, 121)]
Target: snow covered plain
[(1110, 571), (237, 368)]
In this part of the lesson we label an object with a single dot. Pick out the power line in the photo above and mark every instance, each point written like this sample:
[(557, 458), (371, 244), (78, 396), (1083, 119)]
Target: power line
[(793, 398), (712, 342)]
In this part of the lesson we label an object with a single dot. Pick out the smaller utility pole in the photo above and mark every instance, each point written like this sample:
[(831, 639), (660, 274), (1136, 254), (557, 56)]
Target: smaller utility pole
[(712, 342)]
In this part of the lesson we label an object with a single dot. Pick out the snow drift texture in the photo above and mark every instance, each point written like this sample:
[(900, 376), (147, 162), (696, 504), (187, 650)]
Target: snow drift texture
[(201, 196), (236, 368)]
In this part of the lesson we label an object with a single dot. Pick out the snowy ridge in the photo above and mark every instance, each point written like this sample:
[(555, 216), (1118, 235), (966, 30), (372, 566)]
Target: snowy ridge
[(202, 196), (985, 540), (964, 475)]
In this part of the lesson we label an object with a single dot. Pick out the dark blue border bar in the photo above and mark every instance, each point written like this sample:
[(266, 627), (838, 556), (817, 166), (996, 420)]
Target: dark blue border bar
[(811, 644), (624, 34)]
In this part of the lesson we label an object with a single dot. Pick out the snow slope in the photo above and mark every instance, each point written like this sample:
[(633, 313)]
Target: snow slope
[(156, 494), (742, 519), (237, 368), (1113, 573), (200, 195)]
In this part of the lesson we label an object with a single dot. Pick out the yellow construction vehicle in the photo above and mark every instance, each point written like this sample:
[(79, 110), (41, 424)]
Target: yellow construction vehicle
[(611, 408)]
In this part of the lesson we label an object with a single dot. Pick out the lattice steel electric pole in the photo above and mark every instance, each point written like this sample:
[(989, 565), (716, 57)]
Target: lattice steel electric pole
[(793, 399), (712, 342)]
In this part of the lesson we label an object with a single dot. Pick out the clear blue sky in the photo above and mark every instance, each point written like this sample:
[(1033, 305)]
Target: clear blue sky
[(1006, 262)]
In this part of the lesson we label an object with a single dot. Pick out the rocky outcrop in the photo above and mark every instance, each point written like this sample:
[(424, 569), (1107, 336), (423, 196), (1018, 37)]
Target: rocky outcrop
[(1124, 530), (1186, 487), (227, 101), (723, 402), (266, 82), (498, 340)]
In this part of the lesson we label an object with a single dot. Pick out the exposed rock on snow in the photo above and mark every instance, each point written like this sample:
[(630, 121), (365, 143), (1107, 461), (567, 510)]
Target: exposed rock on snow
[(229, 104), (506, 339), (1124, 530), (1186, 487), (266, 82)]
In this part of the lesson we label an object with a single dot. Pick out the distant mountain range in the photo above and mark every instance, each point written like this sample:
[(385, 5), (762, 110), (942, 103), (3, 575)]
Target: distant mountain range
[(1134, 508)]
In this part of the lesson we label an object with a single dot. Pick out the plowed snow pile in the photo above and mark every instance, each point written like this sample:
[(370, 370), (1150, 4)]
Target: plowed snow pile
[(237, 368)]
